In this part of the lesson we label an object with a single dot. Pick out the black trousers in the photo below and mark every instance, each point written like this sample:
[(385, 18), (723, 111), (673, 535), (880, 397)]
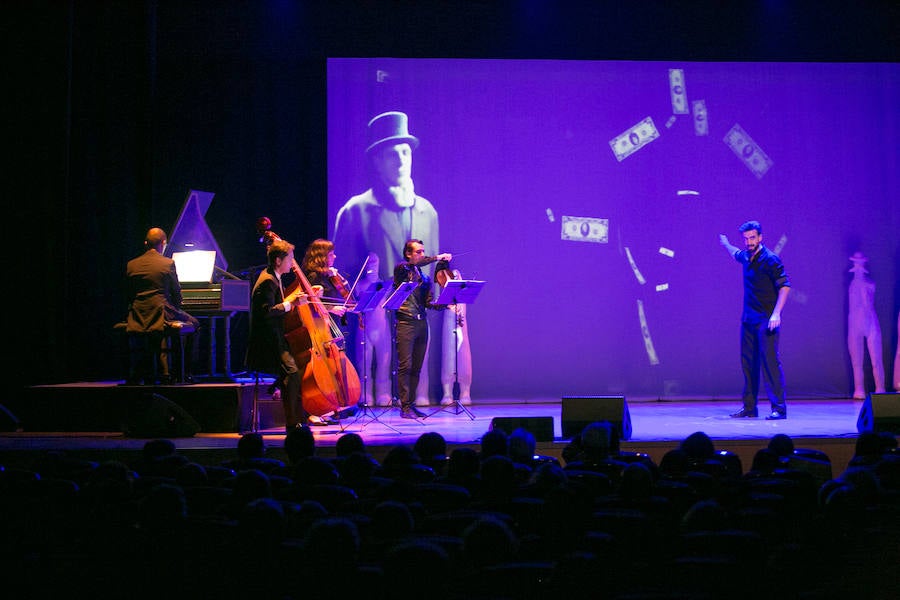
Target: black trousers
[(412, 342), (759, 352), (289, 382)]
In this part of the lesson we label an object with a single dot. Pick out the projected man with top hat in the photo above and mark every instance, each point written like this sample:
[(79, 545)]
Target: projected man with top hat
[(382, 218)]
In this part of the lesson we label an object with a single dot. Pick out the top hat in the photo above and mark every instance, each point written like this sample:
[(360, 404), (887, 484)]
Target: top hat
[(389, 127), (859, 261)]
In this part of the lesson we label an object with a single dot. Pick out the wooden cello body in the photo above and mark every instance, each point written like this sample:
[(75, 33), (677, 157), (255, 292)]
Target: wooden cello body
[(330, 381)]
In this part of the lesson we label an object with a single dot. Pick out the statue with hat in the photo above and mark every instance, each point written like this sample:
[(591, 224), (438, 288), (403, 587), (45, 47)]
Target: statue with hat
[(863, 329), (381, 219), (897, 358)]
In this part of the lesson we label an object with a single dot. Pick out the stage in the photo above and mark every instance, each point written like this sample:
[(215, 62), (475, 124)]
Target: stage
[(92, 418)]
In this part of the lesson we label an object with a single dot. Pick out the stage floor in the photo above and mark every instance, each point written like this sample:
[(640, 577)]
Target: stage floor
[(657, 426)]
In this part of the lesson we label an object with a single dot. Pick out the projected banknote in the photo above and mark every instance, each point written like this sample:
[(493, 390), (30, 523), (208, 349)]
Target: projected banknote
[(678, 91), (747, 150), (701, 125), (585, 229), (633, 139)]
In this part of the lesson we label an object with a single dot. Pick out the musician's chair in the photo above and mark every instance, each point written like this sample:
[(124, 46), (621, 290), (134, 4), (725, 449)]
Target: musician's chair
[(148, 351)]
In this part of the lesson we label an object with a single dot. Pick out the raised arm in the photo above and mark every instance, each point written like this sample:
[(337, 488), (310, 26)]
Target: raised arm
[(723, 239)]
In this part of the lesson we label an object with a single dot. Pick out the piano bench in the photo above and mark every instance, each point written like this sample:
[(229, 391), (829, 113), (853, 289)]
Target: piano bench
[(142, 346)]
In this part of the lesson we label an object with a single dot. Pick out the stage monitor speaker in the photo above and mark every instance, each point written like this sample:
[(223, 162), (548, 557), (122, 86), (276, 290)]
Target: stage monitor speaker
[(579, 411), (540, 427), (880, 412), (155, 416), (9, 421)]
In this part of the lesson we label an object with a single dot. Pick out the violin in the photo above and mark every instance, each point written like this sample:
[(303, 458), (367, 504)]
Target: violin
[(341, 285)]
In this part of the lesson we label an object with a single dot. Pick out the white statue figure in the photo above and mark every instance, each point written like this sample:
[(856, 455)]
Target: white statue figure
[(897, 358), (862, 325), (456, 356), (373, 342)]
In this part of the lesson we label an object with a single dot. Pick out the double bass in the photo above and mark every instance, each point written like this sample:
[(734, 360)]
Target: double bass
[(330, 382)]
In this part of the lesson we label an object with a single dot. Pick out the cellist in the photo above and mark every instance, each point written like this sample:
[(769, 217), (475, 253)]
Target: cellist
[(268, 350)]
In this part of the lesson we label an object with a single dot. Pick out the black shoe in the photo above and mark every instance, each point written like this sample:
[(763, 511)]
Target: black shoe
[(744, 414), (417, 412), (406, 413), (775, 416), (315, 421)]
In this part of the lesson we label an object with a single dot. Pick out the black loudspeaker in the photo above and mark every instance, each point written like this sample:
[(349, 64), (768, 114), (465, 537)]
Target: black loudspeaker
[(540, 427), (880, 412), (8, 421), (579, 411), (155, 416)]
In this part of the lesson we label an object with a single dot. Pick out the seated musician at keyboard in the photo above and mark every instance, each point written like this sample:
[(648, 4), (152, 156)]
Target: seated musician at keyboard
[(154, 303)]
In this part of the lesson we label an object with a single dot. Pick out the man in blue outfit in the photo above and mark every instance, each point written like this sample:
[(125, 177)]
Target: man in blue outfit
[(766, 288)]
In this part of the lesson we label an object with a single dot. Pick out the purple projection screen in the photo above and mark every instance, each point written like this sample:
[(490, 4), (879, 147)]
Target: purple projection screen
[(590, 196)]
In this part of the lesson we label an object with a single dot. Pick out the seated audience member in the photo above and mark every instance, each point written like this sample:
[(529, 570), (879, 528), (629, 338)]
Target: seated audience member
[(415, 569), (251, 454), (349, 443), (432, 450), (522, 447), (494, 442), (699, 447), (299, 443), (782, 445), (463, 469), (765, 461), (489, 541), (159, 458)]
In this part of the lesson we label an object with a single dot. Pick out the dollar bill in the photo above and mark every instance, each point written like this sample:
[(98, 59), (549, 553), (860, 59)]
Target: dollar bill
[(671, 121), (652, 357), (634, 268), (746, 149), (782, 241), (679, 93), (633, 139), (701, 125), (585, 229)]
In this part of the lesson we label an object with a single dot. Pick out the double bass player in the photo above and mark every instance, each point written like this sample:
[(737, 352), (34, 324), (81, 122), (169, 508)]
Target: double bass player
[(267, 348)]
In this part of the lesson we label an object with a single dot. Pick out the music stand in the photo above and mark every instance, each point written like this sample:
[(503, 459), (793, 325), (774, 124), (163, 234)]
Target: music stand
[(397, 298), (458, 291), (399, 295), (369, 300)]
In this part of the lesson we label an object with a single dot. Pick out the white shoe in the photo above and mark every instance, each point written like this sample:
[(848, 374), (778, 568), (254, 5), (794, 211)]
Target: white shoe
[(383, 401), (423, 402), (465, 400), (446, 401)]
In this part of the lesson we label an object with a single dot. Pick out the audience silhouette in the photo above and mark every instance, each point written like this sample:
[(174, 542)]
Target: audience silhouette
[(492, 522)]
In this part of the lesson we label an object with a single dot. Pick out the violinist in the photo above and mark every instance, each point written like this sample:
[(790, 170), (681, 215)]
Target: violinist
[(412, 326), (318, 266), (267, 348), (332, 289)]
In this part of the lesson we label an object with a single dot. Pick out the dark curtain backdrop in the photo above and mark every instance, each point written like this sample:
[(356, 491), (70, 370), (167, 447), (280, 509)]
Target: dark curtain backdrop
[(117, 109)]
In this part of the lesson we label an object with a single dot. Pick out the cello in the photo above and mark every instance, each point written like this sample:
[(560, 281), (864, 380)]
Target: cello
[(330, 382)]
